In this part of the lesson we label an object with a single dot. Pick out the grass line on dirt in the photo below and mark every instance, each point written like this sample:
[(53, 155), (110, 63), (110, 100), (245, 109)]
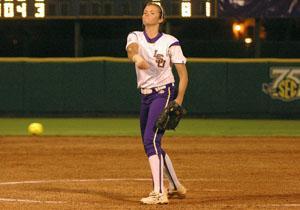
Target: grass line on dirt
[(130, 127)]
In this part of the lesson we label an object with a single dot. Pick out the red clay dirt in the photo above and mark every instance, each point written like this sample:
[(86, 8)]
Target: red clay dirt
[(112, 173)]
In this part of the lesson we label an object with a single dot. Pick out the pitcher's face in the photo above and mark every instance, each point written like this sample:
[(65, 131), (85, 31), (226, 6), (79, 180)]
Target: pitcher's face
[(152, 15)]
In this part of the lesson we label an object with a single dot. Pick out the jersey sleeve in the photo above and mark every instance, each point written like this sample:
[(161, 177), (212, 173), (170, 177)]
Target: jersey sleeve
[(176, 53), (131, 38)]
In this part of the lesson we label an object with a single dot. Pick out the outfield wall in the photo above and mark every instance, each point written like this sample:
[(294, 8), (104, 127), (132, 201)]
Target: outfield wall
[(103, 86)]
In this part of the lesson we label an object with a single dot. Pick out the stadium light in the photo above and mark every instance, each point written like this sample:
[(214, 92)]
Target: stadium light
[(248, 40), (186, 9), (238, 30), (237, 27)]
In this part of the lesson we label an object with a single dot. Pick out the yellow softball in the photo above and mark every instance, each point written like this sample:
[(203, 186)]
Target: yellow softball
[(35, 129)]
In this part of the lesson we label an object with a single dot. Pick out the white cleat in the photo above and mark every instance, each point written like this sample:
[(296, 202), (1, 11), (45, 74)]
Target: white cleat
[(155, 198), (180, 192)]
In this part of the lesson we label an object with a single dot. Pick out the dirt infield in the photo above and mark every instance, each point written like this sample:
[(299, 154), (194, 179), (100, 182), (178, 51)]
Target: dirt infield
[(113, 173)]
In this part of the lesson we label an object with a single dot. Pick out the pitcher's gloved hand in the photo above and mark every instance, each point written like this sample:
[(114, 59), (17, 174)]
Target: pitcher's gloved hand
[(170, 116)]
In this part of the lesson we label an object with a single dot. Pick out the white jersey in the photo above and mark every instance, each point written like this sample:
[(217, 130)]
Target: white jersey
[(160, 52)]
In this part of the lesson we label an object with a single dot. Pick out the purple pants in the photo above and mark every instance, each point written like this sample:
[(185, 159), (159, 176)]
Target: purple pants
[(151, 106)]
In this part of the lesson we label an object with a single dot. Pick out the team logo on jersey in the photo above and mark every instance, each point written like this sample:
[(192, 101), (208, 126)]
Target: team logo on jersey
[(285, 85), (159, 59)]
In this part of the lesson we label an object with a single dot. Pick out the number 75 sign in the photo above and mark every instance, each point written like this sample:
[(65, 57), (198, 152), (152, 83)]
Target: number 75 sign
[(285, 85)]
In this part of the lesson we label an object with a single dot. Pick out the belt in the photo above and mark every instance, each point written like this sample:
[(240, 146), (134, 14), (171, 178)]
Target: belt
[(147, 91)]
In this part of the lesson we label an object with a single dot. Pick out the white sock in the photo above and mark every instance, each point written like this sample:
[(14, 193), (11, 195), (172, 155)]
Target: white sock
[(156, 165), (170, 173)]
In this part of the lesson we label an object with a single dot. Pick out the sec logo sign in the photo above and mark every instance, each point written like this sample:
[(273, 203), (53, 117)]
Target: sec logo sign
[(285, 84)]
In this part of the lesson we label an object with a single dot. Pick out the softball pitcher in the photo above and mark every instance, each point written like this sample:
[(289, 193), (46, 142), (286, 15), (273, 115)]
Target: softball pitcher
[(154, 53)]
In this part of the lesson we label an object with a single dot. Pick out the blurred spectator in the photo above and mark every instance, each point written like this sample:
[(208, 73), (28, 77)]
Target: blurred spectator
[(259, 8)]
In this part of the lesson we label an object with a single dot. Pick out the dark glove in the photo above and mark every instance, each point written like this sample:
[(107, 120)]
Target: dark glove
[(170, 116)]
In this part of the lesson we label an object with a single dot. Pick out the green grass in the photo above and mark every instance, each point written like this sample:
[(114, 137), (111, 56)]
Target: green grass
[(130, 127)]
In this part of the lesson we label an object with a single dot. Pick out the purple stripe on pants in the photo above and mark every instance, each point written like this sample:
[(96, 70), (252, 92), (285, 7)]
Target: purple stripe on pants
[(151, 107)]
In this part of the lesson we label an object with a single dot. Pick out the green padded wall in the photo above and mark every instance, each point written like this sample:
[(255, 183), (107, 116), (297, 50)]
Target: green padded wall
[(70, 87)]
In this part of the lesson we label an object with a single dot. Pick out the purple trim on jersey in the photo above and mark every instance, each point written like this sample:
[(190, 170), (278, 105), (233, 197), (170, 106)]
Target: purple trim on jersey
[(175, 44), (153, 39)]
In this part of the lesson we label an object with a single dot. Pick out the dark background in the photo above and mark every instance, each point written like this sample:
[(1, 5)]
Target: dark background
[(199, 37)]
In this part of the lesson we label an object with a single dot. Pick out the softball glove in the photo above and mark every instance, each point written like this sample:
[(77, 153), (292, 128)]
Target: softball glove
[(170, 116)]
